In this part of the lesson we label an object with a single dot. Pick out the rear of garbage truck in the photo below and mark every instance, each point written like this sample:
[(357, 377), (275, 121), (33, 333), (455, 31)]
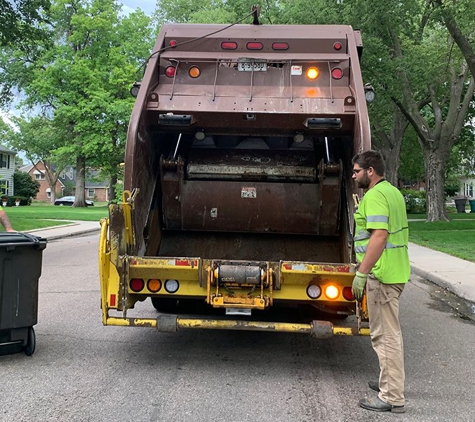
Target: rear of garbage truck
[(238, 203)]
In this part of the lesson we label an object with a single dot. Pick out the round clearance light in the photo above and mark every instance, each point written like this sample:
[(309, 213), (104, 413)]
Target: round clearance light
[(337, 46), (337, 73), (314, 291), (299, 138), (331, 292), (137, 284), (194, 71), (348, 293), (170, 71), (134, 91), (369, 94), (154, 285), (200, 135), (312, 73), (171, 286), (172, 43)]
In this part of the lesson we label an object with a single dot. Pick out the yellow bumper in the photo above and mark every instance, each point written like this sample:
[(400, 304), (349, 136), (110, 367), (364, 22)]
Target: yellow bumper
[(171, 323)]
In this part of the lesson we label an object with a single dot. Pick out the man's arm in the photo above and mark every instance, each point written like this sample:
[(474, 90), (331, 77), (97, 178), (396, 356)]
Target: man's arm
[(374, 250), (5, 221)]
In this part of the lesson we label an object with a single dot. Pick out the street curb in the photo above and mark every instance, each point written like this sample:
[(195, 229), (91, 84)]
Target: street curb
[(78, 233), (444, 282)]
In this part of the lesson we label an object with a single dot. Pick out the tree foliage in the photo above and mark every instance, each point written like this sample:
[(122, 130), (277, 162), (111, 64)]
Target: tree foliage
[(22, 21), (41, 140), (418, 55), (24, 185), (82, 80)]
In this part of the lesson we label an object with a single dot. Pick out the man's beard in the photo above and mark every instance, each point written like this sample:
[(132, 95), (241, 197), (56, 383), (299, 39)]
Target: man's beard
[(364, 182)]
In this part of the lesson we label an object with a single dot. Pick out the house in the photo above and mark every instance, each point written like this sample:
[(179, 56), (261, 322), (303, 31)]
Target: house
[(7, 168), (467, 188), (38, 173), (95, 188)]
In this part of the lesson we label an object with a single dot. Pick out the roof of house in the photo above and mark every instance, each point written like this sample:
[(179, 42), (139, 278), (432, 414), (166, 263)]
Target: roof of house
[(26, 168), (93, 178), (3, 149)]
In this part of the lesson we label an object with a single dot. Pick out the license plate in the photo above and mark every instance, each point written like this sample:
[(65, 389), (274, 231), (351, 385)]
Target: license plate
[(238, 311), (252, 65)]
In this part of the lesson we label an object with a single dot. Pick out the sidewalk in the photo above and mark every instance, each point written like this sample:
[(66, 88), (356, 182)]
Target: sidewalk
[(72, 228), (454, 274)]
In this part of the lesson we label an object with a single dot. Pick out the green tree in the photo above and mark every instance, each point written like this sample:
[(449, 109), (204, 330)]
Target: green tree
[(41, 140), (21, 21), (24, 185), (82, 80)]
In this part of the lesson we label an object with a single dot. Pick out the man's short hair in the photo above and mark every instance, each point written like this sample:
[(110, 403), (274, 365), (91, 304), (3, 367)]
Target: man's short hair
[(370, 158)]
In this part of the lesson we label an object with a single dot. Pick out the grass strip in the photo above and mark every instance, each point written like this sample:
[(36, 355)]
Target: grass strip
[(38, 217), (455, 237)]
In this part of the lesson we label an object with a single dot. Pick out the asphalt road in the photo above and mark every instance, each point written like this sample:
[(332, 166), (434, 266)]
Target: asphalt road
[(82, 371)]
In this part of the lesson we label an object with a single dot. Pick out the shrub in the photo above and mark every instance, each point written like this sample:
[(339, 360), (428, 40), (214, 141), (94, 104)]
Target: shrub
[(12, 199), (24, 185), (415, 201)]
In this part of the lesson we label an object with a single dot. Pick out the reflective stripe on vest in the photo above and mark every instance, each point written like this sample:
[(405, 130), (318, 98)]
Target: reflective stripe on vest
[(377, 219), (362, 249)]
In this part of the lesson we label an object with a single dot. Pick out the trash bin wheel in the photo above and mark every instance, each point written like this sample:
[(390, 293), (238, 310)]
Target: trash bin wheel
[(29, 349)]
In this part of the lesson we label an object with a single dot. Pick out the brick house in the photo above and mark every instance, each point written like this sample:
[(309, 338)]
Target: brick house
[(95, 190)]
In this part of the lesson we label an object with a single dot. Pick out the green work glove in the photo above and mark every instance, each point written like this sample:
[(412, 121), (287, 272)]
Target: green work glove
[(359, 283)]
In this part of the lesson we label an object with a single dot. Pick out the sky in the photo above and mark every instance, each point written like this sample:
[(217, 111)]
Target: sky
[(148, 6)]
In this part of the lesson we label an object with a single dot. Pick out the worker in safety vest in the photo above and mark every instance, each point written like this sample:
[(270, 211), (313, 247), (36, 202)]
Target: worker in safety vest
[(381, 247)]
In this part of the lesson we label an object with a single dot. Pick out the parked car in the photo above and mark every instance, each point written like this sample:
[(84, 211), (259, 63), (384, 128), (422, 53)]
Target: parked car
[(69, 200)]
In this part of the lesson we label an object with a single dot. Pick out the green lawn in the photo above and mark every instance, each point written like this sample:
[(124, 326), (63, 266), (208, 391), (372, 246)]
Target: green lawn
[(455, 237), (40, 216)]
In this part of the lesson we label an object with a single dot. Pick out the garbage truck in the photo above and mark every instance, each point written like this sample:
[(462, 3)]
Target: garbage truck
[(238, 201)]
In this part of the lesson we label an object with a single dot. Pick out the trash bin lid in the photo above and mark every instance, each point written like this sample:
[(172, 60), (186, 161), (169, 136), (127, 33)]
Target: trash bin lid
[(17, 239)]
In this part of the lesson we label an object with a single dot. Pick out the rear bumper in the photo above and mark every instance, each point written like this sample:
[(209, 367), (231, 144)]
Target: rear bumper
[(173, 323)]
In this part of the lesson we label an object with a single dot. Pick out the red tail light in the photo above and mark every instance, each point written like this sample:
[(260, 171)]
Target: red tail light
[(254, 46), (337, 46), (337, 73), (348, 293), (137, 284), (228, 45), (172, 43), (170, 71), (280, 46)]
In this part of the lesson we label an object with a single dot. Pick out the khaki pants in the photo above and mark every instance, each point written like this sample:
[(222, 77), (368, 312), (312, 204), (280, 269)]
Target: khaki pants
[(386, 338)]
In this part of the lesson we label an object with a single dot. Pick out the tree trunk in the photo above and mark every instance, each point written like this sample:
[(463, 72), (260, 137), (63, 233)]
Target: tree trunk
[(389, 145), (80, 200), (434, 160)]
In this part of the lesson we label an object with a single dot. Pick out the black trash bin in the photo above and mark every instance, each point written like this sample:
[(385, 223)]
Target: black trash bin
[(460, 204), (21, 257)]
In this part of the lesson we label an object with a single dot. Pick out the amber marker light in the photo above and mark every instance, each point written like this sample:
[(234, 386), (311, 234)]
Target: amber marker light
[(312, 73), (154, 285), (194, 71), (331, 292)]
